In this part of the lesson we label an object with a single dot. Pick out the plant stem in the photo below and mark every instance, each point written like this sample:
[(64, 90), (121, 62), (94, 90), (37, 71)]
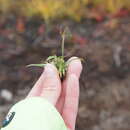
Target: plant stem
[(63, 44)]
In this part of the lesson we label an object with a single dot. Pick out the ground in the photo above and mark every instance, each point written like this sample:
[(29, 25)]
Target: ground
[(105, 80)]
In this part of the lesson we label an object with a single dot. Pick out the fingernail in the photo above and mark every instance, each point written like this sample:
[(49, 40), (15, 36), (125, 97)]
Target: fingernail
[(73, 58), (75, 66)]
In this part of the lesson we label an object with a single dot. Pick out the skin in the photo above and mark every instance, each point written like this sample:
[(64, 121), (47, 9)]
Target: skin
[(63, 95)]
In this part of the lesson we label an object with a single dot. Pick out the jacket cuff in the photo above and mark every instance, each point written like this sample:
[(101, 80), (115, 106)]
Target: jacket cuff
[(33, 113)]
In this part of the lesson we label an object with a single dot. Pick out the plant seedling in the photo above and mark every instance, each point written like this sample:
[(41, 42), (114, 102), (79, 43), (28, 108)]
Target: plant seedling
[(58, 61)]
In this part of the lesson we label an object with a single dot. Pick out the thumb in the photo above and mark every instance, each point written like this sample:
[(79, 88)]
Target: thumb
[(48, 86)]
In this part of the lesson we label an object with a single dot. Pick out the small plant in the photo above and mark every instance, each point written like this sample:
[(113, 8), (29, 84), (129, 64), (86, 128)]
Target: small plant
[(58, 61)]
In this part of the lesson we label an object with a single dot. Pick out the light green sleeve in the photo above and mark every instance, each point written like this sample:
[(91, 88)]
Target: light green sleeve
[(34, 114)]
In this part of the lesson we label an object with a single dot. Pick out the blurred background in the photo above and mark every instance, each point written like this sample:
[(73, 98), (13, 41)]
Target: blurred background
[(30, 32)]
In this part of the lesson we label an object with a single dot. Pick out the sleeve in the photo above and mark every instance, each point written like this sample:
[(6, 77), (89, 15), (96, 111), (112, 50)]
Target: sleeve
[(33, 113)]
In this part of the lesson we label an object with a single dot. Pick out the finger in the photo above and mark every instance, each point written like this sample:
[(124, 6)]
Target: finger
[(74, 67), (49, 85), (36, 90), (70, 108), (72, 92)]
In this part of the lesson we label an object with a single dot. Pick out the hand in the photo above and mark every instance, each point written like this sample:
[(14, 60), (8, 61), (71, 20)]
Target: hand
[(63, 95)]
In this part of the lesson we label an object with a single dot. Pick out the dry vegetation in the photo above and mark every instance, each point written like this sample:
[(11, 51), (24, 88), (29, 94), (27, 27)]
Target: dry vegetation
[(53, 9)]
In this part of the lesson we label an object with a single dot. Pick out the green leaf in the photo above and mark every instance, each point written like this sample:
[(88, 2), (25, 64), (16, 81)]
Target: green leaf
[(36, 65), (51, 57)]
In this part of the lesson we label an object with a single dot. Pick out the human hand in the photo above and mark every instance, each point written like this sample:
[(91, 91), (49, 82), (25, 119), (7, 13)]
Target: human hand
[(63, 95)]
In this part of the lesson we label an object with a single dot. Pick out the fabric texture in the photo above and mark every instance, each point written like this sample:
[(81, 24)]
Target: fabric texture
[(34, 113)]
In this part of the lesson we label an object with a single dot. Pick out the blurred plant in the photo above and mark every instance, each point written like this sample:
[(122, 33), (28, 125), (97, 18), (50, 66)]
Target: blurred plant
[(111, 6), (5, 5), (53, 9), (75, 9), (9, 6)]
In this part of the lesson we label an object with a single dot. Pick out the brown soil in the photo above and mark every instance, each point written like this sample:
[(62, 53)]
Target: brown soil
[(105, 81)]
